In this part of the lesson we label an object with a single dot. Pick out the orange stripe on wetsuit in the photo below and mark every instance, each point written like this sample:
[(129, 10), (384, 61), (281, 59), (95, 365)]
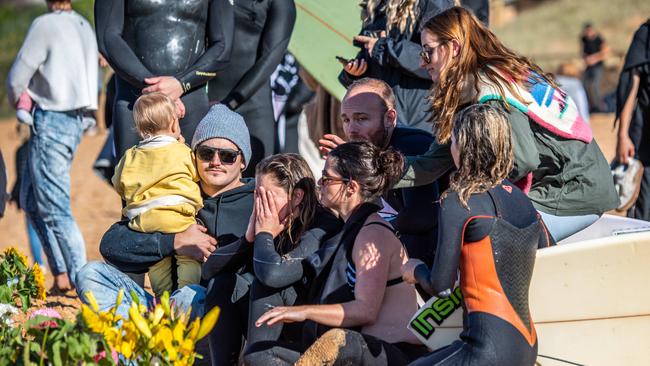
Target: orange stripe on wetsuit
[(481, 287)]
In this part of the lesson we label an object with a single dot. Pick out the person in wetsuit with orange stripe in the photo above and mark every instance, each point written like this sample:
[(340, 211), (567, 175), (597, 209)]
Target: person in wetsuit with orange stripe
[(489, 232)]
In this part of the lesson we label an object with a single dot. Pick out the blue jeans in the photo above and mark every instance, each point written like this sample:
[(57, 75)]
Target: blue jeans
[(34, 243), (561, 227), (45, 189), (105, 281)]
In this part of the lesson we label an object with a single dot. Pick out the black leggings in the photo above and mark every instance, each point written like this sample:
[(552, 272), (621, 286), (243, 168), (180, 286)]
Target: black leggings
[(124, 132), (226, 337), (262, 299), (237, 317), (336, 347)]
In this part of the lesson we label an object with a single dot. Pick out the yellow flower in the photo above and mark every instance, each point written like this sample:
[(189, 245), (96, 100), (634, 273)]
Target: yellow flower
[(164, 302), (139, 322), (208, 322), (158, 313), (90, 297), (194, 329), (187, 347), (39, 279), (161, 340), (179, 332), (13, 252)]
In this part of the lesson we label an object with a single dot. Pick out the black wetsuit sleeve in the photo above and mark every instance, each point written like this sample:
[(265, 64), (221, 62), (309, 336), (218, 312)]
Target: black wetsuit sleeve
[(220, 32), (109, 25), (133, 251), (277, 271), (229, 257), (275, 40), (441, 278), (403, 55)]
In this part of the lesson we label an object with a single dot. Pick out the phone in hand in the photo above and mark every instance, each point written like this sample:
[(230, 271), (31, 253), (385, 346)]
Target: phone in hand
[(343, 60)]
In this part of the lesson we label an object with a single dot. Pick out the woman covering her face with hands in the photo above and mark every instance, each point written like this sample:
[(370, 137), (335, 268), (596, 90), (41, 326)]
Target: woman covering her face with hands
[(287, 225), (360, 304)]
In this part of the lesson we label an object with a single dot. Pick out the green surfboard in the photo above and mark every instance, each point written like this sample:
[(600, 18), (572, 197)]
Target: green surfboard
[(324, 29)]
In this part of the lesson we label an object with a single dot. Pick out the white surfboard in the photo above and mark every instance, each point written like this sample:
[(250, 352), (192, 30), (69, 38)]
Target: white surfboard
[(589, 298)]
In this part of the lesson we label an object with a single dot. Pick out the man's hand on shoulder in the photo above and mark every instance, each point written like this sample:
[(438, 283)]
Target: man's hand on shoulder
[(195, 243)]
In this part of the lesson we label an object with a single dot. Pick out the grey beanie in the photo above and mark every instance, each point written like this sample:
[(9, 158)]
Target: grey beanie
[(221, 122)]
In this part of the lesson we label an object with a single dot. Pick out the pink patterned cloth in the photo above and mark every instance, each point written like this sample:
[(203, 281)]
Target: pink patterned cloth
[(25, 102), (549, 107), (50, 313), (47, 312)]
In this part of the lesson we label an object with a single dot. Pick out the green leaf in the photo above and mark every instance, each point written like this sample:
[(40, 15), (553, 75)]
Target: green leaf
[(24, 299), (5, 294), (26, 353), (56, 354)]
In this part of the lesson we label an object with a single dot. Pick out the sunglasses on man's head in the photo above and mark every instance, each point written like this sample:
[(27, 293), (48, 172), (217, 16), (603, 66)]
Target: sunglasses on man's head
[(226, 156)]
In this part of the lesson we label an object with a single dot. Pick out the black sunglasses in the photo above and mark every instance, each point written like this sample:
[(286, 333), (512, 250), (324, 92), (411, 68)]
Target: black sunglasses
[(226, 156)]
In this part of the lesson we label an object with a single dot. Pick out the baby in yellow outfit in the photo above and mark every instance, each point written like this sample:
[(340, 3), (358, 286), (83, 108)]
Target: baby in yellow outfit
[(158, 181)]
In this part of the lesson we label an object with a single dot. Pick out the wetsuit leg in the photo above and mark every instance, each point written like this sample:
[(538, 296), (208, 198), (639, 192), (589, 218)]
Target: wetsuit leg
[(124, 133), (226, 336), (348, 347), (258, 115), (262, 299), (272, 353), (196, 107), (443, 356)]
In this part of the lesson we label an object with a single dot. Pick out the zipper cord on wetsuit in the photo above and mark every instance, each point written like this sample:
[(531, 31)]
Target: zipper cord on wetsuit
[(561, 360)]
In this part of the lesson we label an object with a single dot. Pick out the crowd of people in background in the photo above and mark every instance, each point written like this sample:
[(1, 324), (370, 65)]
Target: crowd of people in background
[(456, 153)]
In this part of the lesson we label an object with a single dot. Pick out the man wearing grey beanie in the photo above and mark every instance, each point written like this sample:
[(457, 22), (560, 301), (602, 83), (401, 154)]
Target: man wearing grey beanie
[(222, 146)]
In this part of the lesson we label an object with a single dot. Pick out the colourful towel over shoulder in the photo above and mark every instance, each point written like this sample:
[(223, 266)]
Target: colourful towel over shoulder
[(549, 107)]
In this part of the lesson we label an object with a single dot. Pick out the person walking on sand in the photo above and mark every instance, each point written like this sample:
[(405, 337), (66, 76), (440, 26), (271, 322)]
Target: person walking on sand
[(57, 66)]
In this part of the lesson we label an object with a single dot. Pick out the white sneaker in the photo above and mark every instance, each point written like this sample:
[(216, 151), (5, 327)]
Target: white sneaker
[(627, 180)]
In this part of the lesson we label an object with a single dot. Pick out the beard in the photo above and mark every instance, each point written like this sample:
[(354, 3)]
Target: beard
[(377, 138)]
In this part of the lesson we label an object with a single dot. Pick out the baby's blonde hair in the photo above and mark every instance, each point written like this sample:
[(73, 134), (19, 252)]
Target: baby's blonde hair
[(153, 113)]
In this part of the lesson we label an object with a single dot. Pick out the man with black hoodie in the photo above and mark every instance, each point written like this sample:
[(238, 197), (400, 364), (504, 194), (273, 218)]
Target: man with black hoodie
[(222, 147)]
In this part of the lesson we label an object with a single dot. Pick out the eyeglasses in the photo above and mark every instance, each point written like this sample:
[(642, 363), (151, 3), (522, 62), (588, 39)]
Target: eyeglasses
[(226, 156), (325, 179), (426, 53)]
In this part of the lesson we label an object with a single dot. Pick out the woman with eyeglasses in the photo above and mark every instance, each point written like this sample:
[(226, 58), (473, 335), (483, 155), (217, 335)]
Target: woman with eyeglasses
[(360, 305), (287, 225), (390, 41), (556, 160)]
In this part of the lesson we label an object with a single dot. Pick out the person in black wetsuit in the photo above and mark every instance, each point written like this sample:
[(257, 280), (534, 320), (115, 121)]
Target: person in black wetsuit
[(633, 112), (262, 32), (360, 304), (286, 226), (490, 232), (167, 46), (390, 43)]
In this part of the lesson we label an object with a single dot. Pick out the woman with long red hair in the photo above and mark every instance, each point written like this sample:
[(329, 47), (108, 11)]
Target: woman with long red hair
[(556, 160)]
